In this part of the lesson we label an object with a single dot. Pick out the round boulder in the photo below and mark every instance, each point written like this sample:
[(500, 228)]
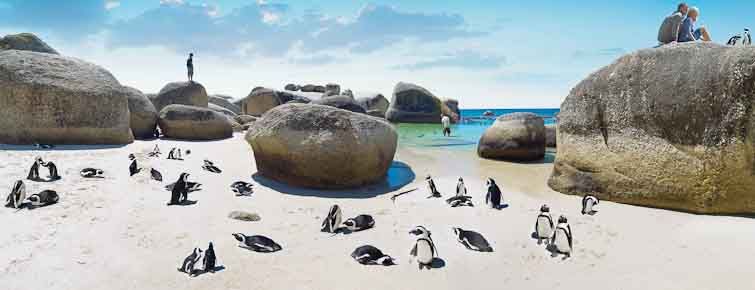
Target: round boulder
[(322, 147), (260, 101), (291, 87), (341, 102), (25, 41), (221, 110), (225, 102), (181, 93), (514, 137), (332, 90), (245, 119), (53, 99), (413, 104), (312, 89), (143, 114), (550, 135), (194, 123), (375, 104)]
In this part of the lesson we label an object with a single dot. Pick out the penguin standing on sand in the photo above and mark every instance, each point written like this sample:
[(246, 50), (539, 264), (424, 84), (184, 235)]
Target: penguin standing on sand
[(44, 198), (544, 225), (359, 223), (209, 260), (431, 187), (91, 173), (180, 191), (34, 170), (588, 202), (52, 169), (493, 197), (472, 240), (188, 264), (332, 221), (156, 175), (461, 198), (257, 243), (171, 152), (562, 238), (424, 248), (369, 255), (133, 168), (17, 195), (461, 189)]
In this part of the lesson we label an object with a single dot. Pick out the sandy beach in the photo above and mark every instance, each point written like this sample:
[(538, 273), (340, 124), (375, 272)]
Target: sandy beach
[(118, 233)]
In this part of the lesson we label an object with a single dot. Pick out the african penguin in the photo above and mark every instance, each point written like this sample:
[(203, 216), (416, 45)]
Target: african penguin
[(91, 173), (133, 168), (472, 240), (493, 197), (210, 166), (257, 243), (44, 146), (424, 248), (34, 170), (588, 202), (156, 175), (171, 153), (562, 238), (179, 191), (359, 223), (747, 37), (431, 187), (242, 188), (461, 190), (188, 264), (17, 195), (332, 221), (53, 170), (544, 225), (369, 255), (44, 198), (209, 260)]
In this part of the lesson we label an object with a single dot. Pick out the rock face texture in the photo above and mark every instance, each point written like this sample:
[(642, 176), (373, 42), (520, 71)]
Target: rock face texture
[(221, 110), (375, 104), (672, 127), (341, 102), (261, 100), (225, 102), (450, 108), (332, 90), (317, 146), (413, 104), (48, 98), (143, 114), (25, 41), (292, 87), (181, 93), (550, 135), (312, 89), (194, 123), (515, 137)]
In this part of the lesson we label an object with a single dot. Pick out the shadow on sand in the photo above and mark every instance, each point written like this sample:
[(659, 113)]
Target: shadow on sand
[(399, 175), (10, 147)]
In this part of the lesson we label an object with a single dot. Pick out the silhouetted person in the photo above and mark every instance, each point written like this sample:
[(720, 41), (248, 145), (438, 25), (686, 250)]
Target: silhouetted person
[(190, 67)]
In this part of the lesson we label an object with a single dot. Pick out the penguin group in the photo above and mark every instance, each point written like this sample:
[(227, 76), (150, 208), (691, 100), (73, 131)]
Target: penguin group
[(174, 154), (242, 188), (558, 238), (17, 197), (34, 170), (209, 261), (333, 224), (180, 190)]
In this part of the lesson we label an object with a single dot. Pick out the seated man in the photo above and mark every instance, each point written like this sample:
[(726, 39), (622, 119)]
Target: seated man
[(687, 31), (670, 28)]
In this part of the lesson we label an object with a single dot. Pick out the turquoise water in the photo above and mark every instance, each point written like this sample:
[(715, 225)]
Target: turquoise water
[(465, 134)]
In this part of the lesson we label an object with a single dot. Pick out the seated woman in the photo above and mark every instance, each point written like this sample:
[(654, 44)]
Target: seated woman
[(687, 31)]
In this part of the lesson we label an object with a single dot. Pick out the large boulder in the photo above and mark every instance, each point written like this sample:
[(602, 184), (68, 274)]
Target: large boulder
[(261, 100), (317, 146), (670, 127), (25, 41), (375, 104), (194, 123), (514, 137), (332, 90), (221, 110), (550, 135), (143, 114), (245, 119), (341, 102), (225, 102), (53, 99), (313, 89), (450, 108), (413, 104), (292, 87), (181, 93)]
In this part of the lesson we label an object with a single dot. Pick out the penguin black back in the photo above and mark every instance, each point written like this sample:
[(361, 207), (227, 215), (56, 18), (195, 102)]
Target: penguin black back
[(209, 259)]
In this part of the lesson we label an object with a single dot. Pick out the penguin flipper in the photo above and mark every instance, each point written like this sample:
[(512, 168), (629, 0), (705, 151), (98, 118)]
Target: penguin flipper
[(413, 252)]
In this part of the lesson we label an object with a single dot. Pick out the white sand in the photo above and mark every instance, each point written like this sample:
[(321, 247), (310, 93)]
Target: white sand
[(117, 233)]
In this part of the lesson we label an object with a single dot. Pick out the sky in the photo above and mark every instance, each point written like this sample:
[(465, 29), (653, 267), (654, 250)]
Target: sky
[(486, 54)]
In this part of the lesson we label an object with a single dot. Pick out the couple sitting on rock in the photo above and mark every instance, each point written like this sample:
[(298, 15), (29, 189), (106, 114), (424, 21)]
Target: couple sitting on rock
[(680, 26)]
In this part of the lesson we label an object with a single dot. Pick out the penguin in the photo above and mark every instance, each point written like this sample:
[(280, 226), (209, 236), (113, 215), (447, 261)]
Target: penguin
[(242, 188), (370, 255), (188, 264), (472, 240), (359, 223), (210, 166), (91, 173), (461, 190), (156, 175), (562, 238), (209, 260), (588, 202), (171, 153), (332, 221), (257, 243), (44, 146), (53, 170), (733, 40), (544, 225), (179, 154), (17, 195), (461, 198), (493, 197), (424, 248), (180, 191), (34, 170), (747, 37), (44, 198), (431, 187), (133, 169)]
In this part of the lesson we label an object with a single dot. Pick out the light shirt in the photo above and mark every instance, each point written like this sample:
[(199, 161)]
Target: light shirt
[(446, 121)]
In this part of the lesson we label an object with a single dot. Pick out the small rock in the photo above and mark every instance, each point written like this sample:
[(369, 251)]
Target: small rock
[(244, 216)]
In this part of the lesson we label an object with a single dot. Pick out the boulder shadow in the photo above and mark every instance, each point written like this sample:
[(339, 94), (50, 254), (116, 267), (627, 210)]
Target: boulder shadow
[(399, 175), (11, 147), (184, 203)]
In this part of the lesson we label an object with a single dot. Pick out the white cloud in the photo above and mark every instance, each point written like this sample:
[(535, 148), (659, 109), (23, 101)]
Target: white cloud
[(172, 2), (112, 4)]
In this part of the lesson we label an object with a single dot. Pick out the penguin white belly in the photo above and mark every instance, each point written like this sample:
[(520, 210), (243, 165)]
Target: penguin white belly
[(544, 229), (424, 252), (562, 242), (588, 205)]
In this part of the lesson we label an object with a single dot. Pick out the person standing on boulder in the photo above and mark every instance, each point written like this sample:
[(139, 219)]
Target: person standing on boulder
[(446, 121), (190, 67)]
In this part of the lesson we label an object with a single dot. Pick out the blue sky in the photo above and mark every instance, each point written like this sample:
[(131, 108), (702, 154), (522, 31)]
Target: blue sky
[(484, 53)]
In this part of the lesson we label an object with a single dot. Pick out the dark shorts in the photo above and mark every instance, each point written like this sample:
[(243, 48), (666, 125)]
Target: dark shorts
[(447, 131), (190, 69)]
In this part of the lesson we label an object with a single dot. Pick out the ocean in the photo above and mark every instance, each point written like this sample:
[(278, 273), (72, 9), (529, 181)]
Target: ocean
[(466, 133)]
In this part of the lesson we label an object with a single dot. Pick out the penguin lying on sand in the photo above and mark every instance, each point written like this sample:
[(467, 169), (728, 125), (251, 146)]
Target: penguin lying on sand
[(369, 255), (91, 173), (257, 243), (156, 175), (17, 195), (44, 198), (472, 240), (210, 166), (424, 248), (332, 222), (242, 188), (188, 265), (359, 223)]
